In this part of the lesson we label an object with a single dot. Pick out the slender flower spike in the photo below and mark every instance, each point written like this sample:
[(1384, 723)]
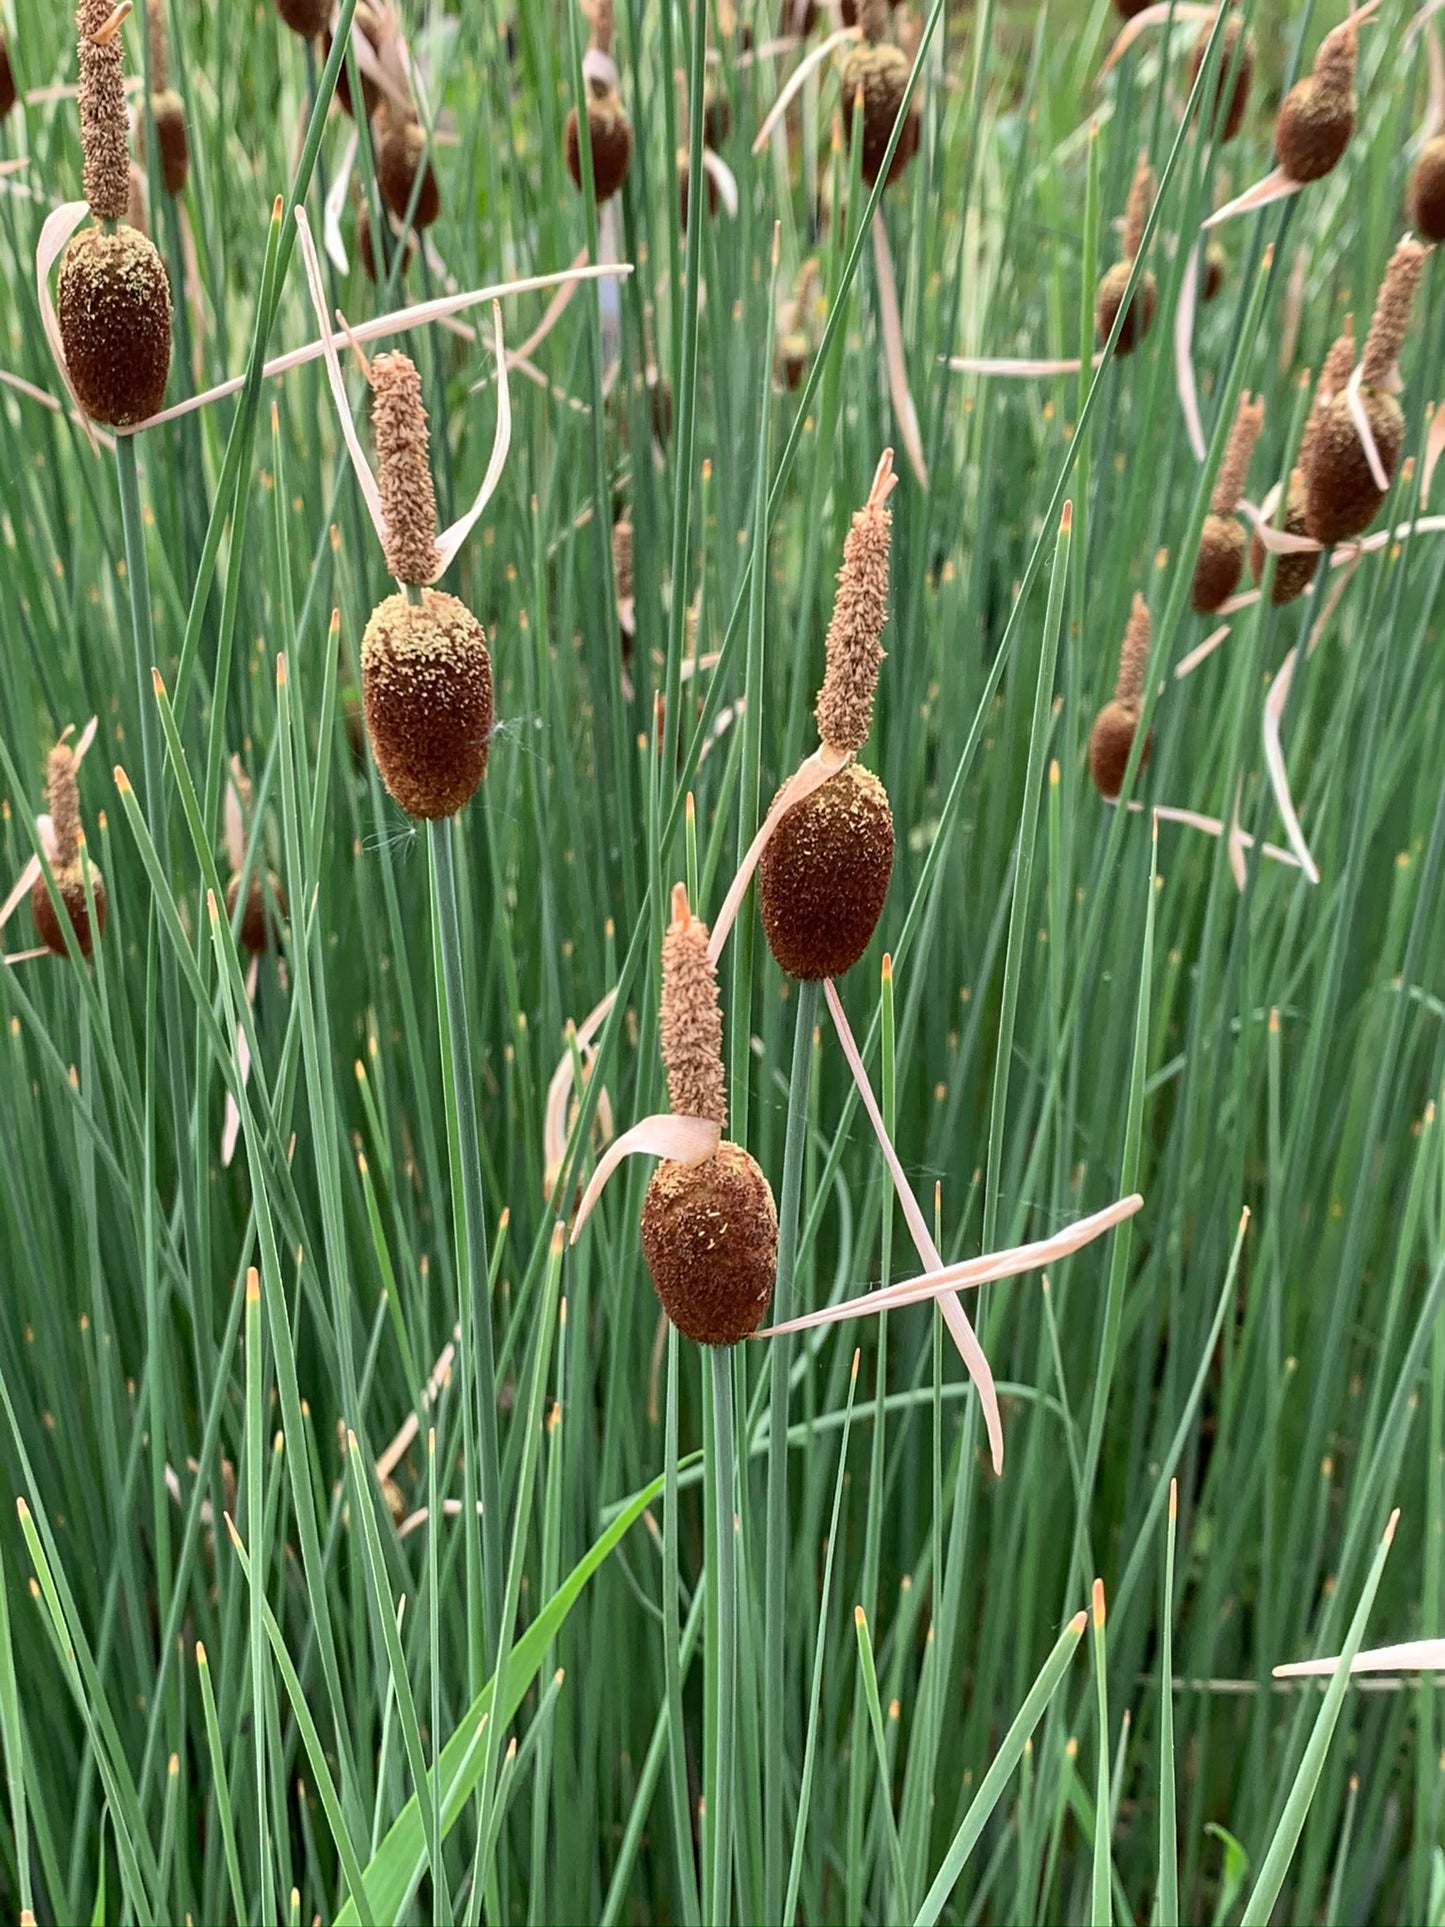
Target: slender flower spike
[(60, 836), (167, 110), (1139, 315), (1355, 439), (1112, 738), (1222, 540), (114, 296), (1230, 100)]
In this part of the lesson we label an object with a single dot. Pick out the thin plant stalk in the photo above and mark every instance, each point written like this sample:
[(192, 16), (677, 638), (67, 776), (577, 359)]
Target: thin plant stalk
[(724, 1635)]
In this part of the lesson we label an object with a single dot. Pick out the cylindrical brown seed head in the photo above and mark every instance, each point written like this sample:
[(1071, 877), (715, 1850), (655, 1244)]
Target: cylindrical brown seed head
[(170, 118), (1335, 371), (710, 1238), (824, 876), (102, 113), (609, 134), (367, 252), (1133, 656), (1220, 563), (882, 74), (1143, 192), (426, 686), (860, 611), (717, 116), (158, 76), (306, 17), (1111, 742), (1317, 115), (1229, 483), (690, 1019), (1427, 190), (7, 78), (1138, 316), (873, 19), (622, 557), (114, 309), (258, 927), (366, 22), (1294, 573), (1391, 318), (403, 469), (1126, 9), (1341, 498), (1230, 99), (71, 885), (1216, 267), (64, 798), (402, 156)]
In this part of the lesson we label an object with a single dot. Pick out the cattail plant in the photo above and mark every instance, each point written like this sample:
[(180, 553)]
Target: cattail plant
[(166, 107), (7, 78), (1296, 561), (824, 874), (1111, 740), (1236, 58), (877, 71), (60, 836), (609, 131), (113, 296), (404, 169), (1139, 315), (1216, 271), (1317, 115), (1221, 541), (305, 17), (1354, 440), (1427, 190), (368, 27)]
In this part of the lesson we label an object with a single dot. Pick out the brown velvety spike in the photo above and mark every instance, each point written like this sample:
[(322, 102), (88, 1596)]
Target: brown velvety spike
[(426, 685), (70, 882), (403, 153), (114, 309), (610, 133), (1341, 498), (258, 927), (1111, 741), (305, 17), (1317, 115), (710, 1238), (824, 876), (1238, 95), (1138, 317), (1220, 563), (7, 79), (882, 73), (170, 120), (364, 19), (1427, 190)]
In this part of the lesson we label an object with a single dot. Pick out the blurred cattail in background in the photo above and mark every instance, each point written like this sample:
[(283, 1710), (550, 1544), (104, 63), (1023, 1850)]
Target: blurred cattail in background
[(166, 108), (1112, 738), (1317, 115), (68, 864), (1139, 316), (609, 131), (1236, 57), (305, 17), (879, 71), (1221, 541)]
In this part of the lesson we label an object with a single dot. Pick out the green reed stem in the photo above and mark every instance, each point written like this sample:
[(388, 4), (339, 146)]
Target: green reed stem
[(776, 1570), (720, 1820), (477, 1367)]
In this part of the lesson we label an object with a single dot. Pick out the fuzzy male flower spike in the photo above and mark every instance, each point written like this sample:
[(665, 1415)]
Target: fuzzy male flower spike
[(690, 1022), (68, 865), (609, 131), (167, 110), (1221, 541), (1112, 738), (1317, 115), (1230, 103), (114, 296), (824, 873), (1139, 316), (1356, 438)]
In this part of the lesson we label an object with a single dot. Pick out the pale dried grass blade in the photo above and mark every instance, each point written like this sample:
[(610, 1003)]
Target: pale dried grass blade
[(1276, 541), (962, 1332), (1366, 434), (24, 884), (1211, 826), (723, 179), (1235, 845), (234, 818), (1274, 761), (1012, 365), (811, 775), (559, 1091), (682, 1140), (336, 200), (452, 539), (1184, 351), (231, 1125), (893, 354), (1201, 652), (796, 79), (1409, 1656), (1153, 16), (1275, 186), (552, 313)]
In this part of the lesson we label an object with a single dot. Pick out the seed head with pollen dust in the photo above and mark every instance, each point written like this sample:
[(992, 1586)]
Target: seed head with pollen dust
[(1221, 541), (1342, 496), (1139, 315), (68, 864), (113, 296), (690, 1020), (1317, 115), (403, 462), (1111, 741), (860, 610)]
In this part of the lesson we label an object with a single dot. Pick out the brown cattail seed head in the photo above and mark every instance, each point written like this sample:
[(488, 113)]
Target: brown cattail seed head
[(882, 73), (1126, 9), (402, 156), (860, 610), (306, 17), (609, 134), (1143, 192), (258, 926), (1138, 316), (66, 864), (102, 113), (622, 558), (7, 78), (873, 19), (403, 469), (366, 21), (717, 117), (1216, 267), (794, 353), (1237, 95), (1427, 189), (1293, 573), (824, 876), (1229, 483), (367, 252), (426, 685), (170, 118), (1391, 318), (1111, 742), (1220, 563), (1341, 498), (1334, 373), (690, 1021), (1317, 116), (710, 1238), (114, 309)]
